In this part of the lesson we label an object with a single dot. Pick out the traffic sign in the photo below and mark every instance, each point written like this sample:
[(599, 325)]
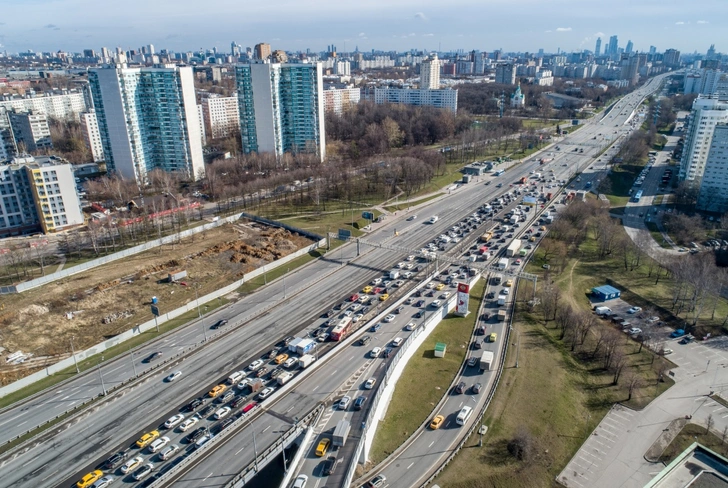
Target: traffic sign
[(367, 215), (344, 234), (155, 310)]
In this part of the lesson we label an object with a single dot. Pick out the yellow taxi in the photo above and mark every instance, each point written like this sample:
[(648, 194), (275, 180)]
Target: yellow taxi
[(532, 239), (509, 283), (440, 287), (89, 479), (437, 422), (492, 337), (383, 296), (216, 391), (322, 447), (147, 439), (281, 358), (543, 227), (367, 289)]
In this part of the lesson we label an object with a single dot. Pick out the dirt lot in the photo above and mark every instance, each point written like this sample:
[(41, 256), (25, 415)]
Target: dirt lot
[(108, 300)]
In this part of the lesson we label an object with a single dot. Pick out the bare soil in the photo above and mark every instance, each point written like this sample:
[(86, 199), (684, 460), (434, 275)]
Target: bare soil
[(110, 299)]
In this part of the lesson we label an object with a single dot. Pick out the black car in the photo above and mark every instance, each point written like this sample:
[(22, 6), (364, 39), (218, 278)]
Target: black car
[(420, 303), (399, 309), (194, 404), (153, 357), (220, 323), (419, 314), (460, 387), (329, 466), (196, 435), (114, 461), (225, 423), (387, 352), (208, 411), (476, 388), (359, 402), (365, 340), (238, 402), (287, 341)]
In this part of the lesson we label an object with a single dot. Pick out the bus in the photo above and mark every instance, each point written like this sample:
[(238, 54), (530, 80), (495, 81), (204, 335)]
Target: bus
[(637, 196), (342, 329), (499, 172)]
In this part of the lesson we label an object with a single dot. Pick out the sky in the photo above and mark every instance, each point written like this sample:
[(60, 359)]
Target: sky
[(485, 25)]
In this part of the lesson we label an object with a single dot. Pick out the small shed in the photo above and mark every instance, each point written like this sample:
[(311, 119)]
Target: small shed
[(605, 292), (176, 275), (440, 349)]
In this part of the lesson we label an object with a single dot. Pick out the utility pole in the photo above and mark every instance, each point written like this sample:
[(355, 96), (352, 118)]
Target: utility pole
[(132, 363), (197, 300), (73, 353), (98, 367)]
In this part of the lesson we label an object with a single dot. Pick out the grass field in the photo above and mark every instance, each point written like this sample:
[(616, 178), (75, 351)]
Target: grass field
[(694, 433), (332, 222), (406, 205), (426, 379), (657, 235)]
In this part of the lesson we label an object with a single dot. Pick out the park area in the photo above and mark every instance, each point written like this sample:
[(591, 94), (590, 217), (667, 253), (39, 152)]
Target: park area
[(98, 304)]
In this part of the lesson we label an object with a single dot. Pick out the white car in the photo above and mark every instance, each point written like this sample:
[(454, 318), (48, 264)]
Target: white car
[(390, 318), (445, 295), (397, 341), (103, 482), (300, 481), (357, 317), (158, 444), (355, 307), (344, 402), (185, 426), (435, 304), (256, 365), (290, 362), (174, 420), (370, 383), (635, 331), (173, 376), (433, 219), (410, 258), (222, 412), (131, 464), (265, 393), (634, 310), (374, 353), (430, 285), (401, 265), (168, 452), (410, 326), (376, 281), (243, 384), (143, 472), (407, 274)]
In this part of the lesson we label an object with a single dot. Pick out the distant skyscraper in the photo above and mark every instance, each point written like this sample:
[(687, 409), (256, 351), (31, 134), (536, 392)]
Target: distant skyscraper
[(430, 74), (148, 119), (234, 49), (281, 107), (505, 74), (262, 51), (629, 47), (613, 47), (653, 50), (598, 47), (672, 58)]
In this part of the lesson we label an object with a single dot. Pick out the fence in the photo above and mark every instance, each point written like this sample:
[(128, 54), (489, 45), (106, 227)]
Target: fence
[(126, 335)]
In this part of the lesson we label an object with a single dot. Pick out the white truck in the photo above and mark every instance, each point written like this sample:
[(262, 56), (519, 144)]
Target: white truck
[(513, 248), (503, 263), (515, 219), (603, 310), (394, 274), (487, 360), (306, 360), (284, 377), (502, 299), (341, 432)]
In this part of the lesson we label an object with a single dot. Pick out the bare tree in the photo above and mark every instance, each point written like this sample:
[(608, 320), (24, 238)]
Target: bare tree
[(709, 422), (619, 361), (633, 381)]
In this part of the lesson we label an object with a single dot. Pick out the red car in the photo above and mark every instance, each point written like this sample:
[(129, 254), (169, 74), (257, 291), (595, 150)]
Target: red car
[(377, 290), (354, 297)]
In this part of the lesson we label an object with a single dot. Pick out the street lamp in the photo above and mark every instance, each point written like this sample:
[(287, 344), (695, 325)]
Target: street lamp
[(197, 300), (73, 353), (101, 376)]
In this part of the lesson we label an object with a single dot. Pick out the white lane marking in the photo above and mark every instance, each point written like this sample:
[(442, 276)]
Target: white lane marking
[(239, 451), (54, 472), (266, 429), (317, 387), (411, 464), (207, 476), (431, 443), (334, 372)]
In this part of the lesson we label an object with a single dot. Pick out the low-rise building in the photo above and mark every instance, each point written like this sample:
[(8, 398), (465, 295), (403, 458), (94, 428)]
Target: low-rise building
[(338, 100), (447, 98)]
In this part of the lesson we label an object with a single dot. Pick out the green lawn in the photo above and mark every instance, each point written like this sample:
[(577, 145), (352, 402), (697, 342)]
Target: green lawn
[(426, 379), (689, 434), (406, 205), (657, 235), (332, 222)]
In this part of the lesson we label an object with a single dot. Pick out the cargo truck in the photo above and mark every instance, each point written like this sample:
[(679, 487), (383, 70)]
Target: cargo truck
[(513, 248), (486, 361), (394, 274), (256, 385), (502, 299), (284, 378), (501, 315), (306, 360), (301, 345), (502, 263), (486, 237), (515, 219), (341, 432)]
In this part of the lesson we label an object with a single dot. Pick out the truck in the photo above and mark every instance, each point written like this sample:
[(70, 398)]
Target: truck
[(497, 279), (502, 263), (502, 299), (602, 310), (545, 160), (301, 346), (549, 219), (486, 360), (284, 377), (513, 248), (341, 432), (487, 236), (256, 385), (501, 317), (548, 196), (515, 219), (466, 178), (306, 360), (394, 274)]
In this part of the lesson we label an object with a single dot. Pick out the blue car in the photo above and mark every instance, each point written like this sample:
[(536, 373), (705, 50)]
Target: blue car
[(375, 327), (678, 333)]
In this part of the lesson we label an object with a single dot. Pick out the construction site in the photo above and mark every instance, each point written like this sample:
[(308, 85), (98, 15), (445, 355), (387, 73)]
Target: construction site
[(41, 326)]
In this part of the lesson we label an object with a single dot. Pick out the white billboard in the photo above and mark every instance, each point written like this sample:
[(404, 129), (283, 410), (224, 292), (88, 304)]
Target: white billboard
[(463, 299)]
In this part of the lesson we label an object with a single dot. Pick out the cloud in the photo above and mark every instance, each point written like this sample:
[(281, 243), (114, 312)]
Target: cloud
[(362, 34), (412, 34), (563, 29), (428, 35), (421, 16), (703, 22), (680, 23), (50, 26), (548, 31), (600, 34)]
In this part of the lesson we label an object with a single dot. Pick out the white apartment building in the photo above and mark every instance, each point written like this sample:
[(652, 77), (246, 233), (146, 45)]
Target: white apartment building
[(430, 74), (91, 135), (705, 115), (342, 68), (221, 116), (447, 99), (377, 62), (67, 106), (713, 195), (31, 130), (337, 100), (544, 78)]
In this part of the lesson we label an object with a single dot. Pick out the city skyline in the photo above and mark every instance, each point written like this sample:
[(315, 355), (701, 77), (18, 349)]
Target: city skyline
[(569, 25)]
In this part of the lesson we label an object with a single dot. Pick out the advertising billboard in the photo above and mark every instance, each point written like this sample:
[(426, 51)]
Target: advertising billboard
[(463, 299)]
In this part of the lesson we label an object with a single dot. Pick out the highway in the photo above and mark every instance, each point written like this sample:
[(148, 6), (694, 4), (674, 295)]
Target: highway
[(421, 458), (65, 453)]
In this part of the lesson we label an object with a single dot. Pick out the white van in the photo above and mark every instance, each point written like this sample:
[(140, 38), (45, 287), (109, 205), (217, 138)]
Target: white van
[(434, 219), (236, 377), (464, 415)]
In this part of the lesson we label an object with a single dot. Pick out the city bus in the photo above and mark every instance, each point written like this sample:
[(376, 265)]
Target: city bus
[(342, 329), (637, 196)]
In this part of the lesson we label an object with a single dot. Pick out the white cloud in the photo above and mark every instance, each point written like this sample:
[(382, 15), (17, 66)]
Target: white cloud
[(600, 34), (548, 31), (412, 34), (428, 35), (362, 34), (563, 29), (421, 16), (703, 22), (680, 23)]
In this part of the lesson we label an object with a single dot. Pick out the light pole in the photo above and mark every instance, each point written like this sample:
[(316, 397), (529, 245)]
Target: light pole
[(73, 353), (101, 376), (132, 363), (197, 300)]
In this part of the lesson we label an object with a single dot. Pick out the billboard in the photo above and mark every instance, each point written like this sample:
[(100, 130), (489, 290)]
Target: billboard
[(463, 299)]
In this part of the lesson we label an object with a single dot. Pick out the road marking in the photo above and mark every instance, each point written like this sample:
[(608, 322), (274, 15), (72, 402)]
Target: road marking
[(10, 420), (718, 409), (411, 464), (334, 372), (207, 477), (54, 472), (317, 387), (238, 451), (431, 443), (266, 429)]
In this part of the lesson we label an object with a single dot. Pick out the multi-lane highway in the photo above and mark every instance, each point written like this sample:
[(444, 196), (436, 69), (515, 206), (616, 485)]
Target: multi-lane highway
[(66, 452)]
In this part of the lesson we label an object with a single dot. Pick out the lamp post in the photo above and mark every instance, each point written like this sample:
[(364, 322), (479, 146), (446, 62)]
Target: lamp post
[(101, 376), (197, 300), (73, 353), (132, 363)]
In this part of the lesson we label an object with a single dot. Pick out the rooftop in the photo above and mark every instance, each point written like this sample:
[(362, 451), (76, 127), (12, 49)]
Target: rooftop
[(697, 467)]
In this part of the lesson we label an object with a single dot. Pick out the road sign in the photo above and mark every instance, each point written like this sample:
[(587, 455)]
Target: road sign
[(367, 215), (344, 234), (155, 310)]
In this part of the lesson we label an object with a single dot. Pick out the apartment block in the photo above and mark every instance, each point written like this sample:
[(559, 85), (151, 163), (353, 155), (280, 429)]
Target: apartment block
[(505, 74), (31, 131), (66, 106), (8, 148), (338, 100), (430, 74), (148, 119), (92, 136), (281, 108), (713, 194), (38, 194), (220, 116), (447, 99), (705, 115)]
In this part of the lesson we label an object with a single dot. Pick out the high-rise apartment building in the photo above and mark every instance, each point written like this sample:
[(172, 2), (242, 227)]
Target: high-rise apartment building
[(337, 100), (671, 58), (8, 148), (262, 51), (598, 47), (65, 106), (705, 115), (713, 194), (447, 99), (31, 131), (220, 115), (38, 194), (430, 74), (613, 47), (505, 74), (281, 107), (148, 119), (91, 135)]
